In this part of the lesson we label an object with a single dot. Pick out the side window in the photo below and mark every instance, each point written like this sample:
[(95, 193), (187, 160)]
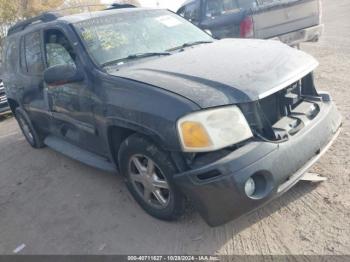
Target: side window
[(222, 7), (33, 57), (248, 4), (58, 49), (11, 55), (181, 12), (214, 8), (266, 2), (192, 11)]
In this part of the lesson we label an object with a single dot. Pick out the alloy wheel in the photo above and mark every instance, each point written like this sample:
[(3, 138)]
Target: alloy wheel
[(149, 181)]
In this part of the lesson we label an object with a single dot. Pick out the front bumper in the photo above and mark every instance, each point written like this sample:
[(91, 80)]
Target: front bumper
[(222, 198), (311, 34)]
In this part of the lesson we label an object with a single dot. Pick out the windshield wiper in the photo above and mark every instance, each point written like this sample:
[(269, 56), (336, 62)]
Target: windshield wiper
[(135, 56), (189, 44)]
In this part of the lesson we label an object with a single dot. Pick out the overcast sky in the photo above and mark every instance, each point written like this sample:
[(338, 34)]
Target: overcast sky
[(170, 4)]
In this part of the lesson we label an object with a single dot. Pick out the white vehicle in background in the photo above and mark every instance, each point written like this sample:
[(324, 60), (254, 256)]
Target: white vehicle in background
[(4, 107)]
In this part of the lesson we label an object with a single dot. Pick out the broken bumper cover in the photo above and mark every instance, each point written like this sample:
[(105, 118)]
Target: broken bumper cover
[(311, 34), (276, 168)]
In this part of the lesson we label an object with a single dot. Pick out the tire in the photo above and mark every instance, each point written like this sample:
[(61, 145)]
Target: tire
[(153, 190), (28, 130)]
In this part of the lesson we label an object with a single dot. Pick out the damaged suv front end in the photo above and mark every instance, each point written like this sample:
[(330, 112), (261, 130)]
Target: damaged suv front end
[(291, 126), (286, 142)]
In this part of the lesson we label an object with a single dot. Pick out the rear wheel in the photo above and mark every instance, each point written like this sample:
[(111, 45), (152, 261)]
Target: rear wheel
[(149, 177), (28, 130)]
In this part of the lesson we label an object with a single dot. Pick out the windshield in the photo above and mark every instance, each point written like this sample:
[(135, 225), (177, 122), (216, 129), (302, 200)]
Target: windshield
[(124, 34)]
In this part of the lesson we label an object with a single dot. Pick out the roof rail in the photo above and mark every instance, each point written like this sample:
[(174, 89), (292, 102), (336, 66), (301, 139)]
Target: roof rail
[(120, 6), (44, 17)]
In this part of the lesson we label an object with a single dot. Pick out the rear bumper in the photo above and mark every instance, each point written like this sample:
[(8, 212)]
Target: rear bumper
[(310, 34), (223, 198)]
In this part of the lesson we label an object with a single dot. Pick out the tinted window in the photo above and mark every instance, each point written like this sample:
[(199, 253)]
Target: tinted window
[(192, 11), (246, 4), (11, 57), (265, 2), (33, 57), (221, 7)]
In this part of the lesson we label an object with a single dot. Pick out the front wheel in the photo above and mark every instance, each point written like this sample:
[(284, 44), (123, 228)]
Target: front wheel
[(149, 177)]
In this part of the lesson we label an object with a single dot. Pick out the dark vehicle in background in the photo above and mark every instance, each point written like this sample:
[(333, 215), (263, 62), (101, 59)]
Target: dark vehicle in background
[(228, 124), (290, 21), (4, 107)]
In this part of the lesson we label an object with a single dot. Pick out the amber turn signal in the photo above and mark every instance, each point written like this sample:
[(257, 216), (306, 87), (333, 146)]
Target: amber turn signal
[(194, 135)]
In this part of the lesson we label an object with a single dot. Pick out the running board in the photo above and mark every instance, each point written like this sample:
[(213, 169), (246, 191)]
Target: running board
[(79, 154)]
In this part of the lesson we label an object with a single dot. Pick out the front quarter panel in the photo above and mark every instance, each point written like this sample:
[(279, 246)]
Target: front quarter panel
[(140, 107)]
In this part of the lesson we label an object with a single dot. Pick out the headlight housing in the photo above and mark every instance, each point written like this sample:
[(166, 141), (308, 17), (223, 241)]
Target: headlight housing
[(213, 129)]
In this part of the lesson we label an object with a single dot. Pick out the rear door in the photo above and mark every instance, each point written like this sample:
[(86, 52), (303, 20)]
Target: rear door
[(30, 80), (276, 17)]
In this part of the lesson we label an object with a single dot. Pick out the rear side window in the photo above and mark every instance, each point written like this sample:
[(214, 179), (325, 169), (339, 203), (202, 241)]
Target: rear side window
[(11, 56), (32, 51), (264, 2), (221, 7)]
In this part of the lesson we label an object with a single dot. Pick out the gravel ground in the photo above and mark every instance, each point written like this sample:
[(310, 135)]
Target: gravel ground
[(55, 205)]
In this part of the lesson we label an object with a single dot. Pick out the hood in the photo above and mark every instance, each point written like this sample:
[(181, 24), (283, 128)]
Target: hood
[(224, 72)]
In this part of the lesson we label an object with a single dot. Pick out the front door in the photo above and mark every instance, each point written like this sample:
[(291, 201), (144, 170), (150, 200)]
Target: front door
[(70, 104)]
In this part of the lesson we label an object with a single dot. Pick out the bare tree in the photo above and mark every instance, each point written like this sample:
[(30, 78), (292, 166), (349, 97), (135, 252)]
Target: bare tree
[(78, 6), (8, 16), (29, 8), (11, 11)]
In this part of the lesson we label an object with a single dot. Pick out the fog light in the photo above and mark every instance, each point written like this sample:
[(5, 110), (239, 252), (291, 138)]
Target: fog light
[(249, 187)]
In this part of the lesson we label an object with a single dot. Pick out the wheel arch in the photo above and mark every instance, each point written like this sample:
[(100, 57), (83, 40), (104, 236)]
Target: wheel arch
[(117, 134)]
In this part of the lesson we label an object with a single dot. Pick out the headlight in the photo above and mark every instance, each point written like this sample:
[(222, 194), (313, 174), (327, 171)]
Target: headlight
[(214, 129)]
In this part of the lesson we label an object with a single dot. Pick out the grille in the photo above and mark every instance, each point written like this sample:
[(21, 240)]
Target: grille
[(280, 104)]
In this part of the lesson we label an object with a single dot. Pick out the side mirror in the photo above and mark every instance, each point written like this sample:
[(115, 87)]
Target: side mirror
[(62, 74)]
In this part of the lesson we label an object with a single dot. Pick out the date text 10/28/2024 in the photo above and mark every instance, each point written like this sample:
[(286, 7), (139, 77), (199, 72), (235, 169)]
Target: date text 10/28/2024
[(174, 258)]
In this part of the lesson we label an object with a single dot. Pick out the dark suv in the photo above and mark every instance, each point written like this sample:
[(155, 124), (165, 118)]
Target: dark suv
[(227, 124)]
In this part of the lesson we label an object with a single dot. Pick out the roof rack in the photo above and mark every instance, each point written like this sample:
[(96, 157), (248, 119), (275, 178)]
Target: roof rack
[(44, 17), (119, 6)]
